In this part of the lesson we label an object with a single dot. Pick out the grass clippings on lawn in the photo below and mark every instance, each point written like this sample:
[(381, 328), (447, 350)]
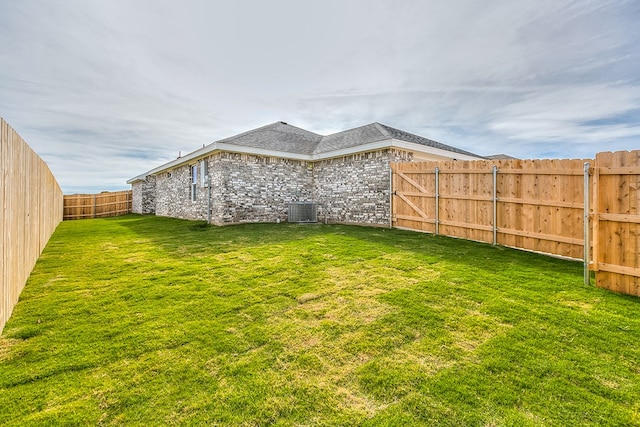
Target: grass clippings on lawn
[(156, 321)]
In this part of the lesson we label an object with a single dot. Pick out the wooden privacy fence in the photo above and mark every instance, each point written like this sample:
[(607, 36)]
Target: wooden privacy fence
[(30, 210), (537, 205), (615, 219), (81, 206)]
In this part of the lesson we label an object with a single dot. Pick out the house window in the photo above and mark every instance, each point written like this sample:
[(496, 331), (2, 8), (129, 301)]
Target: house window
[(194, 181), (204, 173)]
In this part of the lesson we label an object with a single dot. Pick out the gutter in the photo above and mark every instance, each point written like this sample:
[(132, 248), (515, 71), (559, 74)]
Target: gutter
[(372, 146)]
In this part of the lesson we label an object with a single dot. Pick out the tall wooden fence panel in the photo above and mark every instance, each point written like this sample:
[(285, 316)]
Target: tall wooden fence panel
[(616, 221), (82, 206), (535, 205), (31, 209), (540, 206)]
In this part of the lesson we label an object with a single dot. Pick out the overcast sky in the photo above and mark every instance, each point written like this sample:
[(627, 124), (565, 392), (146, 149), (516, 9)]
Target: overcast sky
[(106, 90)]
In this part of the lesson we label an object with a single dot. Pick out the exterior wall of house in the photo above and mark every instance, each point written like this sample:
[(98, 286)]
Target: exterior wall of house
[(173, 195), (244, 188), (356, 188), (144, 196), (136, 197), (250, 188)]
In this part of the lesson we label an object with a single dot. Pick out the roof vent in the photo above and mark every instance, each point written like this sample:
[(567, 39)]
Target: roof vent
[(284, 123), (303, 212)]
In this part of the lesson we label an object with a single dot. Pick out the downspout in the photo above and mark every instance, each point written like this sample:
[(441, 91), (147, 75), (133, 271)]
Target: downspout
[(208, 182)]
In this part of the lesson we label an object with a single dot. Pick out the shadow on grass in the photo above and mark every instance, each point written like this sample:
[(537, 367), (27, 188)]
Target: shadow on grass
[(171, 234)]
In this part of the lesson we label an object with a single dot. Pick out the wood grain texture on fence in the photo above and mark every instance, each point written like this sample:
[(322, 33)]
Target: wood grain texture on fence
[(616, 221), (541, 205), (105, 204), (31, 210), (538, 205)]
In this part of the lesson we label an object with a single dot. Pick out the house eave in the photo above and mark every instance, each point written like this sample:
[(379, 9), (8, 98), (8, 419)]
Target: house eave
[(393, 143), (372, 146), (436, 152), (138, 178)]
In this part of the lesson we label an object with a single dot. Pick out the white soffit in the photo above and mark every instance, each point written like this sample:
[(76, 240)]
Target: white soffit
[(373, 146)]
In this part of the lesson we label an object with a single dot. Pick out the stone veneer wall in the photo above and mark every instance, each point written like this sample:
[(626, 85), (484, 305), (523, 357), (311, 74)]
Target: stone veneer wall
[(250, 188), (244, 188), (144, 196), (136, 197), (173, 195), (356, 188)]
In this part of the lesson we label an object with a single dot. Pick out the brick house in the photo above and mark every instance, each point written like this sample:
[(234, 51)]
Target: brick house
[(257, 176)]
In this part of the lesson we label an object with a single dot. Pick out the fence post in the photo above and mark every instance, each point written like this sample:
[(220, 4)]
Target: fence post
[(495, 205), (390, 196), (587, 275), (437, 200)]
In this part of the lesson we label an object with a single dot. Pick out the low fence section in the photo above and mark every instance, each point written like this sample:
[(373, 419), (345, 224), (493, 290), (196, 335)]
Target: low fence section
[(30, 211), (82, 206)]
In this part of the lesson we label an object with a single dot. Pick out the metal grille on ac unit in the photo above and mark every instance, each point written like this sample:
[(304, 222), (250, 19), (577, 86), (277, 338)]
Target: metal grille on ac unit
[(303, 212)]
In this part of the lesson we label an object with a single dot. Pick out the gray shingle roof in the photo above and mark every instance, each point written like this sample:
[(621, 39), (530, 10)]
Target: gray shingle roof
[(283, 137), (501, 157), (351, 138), (409, 137), (278, 136)]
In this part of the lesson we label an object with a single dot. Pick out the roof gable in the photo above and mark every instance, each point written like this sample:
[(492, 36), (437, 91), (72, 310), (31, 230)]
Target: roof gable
[(280, 139), (351, 138), (417, 139), (278, 136)]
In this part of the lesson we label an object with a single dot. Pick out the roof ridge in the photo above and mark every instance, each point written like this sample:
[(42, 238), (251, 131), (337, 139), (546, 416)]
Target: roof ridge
[(279, 122), (433, 143), (297, 127), (247, 132), (383, 128), (355, 128)]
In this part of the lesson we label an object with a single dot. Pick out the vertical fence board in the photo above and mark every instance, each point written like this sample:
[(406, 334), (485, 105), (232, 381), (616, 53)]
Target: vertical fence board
[(105, 204), (540, 207), (31, 210), (616, 222), (540, 203)]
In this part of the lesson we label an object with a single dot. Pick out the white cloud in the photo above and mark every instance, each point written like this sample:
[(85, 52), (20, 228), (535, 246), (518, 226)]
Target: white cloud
[(105, 90), (568, 113)]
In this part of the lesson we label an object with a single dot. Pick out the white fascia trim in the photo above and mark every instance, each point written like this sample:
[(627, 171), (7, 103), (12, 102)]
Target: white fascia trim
[(410, 146), (394, 143), (373, 146), (262, 152), (202, 152), (136, 179), (218, 146)]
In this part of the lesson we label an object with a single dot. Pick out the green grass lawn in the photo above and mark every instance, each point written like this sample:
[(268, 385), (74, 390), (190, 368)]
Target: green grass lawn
[(154, 321)]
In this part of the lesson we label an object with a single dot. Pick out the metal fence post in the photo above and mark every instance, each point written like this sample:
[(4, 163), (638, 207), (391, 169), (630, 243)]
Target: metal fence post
[(587, 237), (390, 196), (495, 205), (437, 200)]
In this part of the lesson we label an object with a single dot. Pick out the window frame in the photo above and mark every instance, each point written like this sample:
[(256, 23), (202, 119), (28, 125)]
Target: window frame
[(204, 172), (193, 172)]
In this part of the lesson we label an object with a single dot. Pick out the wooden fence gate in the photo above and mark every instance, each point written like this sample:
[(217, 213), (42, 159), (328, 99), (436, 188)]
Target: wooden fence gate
[(537, 205)]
